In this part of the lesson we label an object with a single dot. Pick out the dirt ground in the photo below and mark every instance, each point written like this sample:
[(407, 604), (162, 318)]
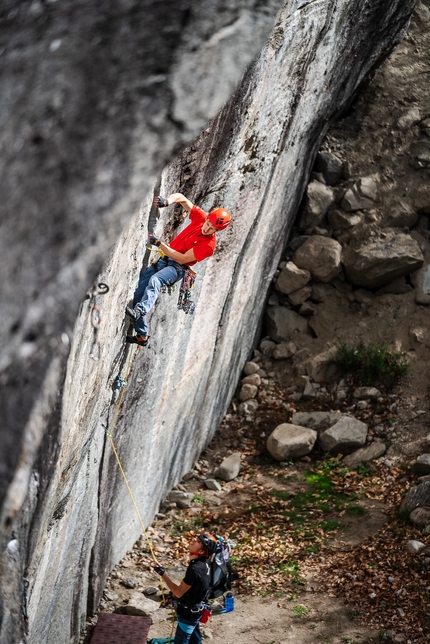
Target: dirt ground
[(248, 508)]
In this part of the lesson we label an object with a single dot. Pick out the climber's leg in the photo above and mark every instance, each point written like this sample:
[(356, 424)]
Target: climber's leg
[(165, 277)]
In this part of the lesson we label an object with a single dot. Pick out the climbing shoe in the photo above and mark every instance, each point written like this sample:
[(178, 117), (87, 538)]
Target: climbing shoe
[(137, 339), (134, 314)]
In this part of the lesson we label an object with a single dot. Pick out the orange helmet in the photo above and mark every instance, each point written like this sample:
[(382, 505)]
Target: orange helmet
[(220, 218)]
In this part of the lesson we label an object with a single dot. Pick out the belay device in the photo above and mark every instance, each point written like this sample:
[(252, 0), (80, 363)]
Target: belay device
[(184, 300)]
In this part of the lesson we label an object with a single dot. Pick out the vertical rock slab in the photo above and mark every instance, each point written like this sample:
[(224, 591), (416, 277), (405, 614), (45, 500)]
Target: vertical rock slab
[(66, 502)]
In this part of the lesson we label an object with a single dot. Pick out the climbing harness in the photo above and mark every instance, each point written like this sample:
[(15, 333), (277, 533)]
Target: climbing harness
[(95, 316), (184, 300), (119, 384)]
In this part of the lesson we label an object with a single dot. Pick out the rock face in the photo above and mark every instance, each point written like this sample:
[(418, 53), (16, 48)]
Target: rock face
[(321, 257), (106, 105), (378, 262), (290, 441)]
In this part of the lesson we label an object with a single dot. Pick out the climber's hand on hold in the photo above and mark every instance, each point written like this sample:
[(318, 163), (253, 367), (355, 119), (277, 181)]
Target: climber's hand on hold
[(154, 240), (159, 569), (160, 202)]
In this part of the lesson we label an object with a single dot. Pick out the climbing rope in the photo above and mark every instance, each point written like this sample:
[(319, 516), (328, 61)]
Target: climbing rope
[(109, 429)]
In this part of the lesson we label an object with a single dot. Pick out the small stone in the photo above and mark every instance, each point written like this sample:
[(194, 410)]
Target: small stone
[(366, 392), (409, 118), (284, 350), (345, 436), (252, 379), (414, 547), (400, 612), (229, 468), (129, 582), (141, 605), (362, 404), (321, 256), (330, 166), (108, 597), (421, 466), (151, 590), (341, 220), (290, 441), (318, 200), (182, 499), (400, 638), (420, 516), (391, 580), (306, 309), (361, 195), (250, 367), (267, 346), (212, 484), (292, 279), (247, 392)]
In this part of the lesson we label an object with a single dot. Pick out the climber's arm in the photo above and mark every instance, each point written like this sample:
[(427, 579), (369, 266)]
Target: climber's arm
[(180, 258), (176, 197)]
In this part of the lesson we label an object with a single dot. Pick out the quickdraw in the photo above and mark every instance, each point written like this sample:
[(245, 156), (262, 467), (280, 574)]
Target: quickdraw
[(95, 316), (184, 300)]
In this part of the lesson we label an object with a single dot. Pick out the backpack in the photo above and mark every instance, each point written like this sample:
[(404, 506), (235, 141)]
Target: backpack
[(221, 573)]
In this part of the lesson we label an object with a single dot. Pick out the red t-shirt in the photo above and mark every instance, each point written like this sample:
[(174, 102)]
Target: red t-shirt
[(191, 237)]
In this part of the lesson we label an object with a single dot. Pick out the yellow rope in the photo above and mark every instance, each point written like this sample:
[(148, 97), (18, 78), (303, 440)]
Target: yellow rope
[(109, 431)]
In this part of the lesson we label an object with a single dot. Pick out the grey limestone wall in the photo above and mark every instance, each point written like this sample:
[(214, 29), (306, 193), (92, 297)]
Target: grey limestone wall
[(66, 516)]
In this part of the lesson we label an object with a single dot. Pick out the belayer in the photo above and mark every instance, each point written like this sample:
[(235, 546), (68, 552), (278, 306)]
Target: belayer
[(193, 590), (194, 244)]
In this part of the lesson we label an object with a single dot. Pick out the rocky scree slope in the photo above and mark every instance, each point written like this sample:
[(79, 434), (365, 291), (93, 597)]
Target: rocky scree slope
[(254, 157)]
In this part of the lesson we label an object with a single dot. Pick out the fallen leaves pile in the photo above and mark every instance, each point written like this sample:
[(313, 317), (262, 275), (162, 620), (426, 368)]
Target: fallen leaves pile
[(283, 544)]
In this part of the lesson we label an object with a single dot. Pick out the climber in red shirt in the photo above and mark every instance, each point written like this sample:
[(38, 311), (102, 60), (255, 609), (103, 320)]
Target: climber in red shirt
[(194, 244)]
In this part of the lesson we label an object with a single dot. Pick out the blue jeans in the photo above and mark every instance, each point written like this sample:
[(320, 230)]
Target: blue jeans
[(188, 632), (162, 273)]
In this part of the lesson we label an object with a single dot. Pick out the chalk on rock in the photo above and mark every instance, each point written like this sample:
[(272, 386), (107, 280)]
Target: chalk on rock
[(229, 468)]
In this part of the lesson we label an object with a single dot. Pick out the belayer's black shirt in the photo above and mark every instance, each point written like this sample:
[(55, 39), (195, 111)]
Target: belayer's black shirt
[(198, 577)]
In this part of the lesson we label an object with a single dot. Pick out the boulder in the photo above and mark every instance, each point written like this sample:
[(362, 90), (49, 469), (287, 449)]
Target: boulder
[(420, 516), (281, 323), (247, 391), (317, 420), (298, 297), (364, 454), (229, 468), (330, 166), (420, 279), (182, 499), (319, 198), (142, 606), (408, 118), (421, 466), (420, 154), (361, 196), (321, 292), (347, 435), (250, 367), (292, 278), (212, 484), (290, 441), (364, 393), (248, 407), (252, 379), (321, 256), (400, 215), (341, 220), (414, 547), (379, 261), (266, 347), (416, 497), (319, 367), (284, 350)]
